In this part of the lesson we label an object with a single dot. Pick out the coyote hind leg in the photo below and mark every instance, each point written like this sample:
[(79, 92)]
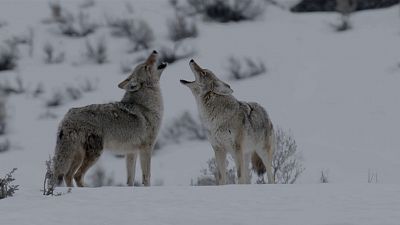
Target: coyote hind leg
[(75, 164), (93, 148)]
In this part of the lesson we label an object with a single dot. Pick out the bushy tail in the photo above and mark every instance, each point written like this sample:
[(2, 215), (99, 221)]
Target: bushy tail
[(257, 164), (62, 158)]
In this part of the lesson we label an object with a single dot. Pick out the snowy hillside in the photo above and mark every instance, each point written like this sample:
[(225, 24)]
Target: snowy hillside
[(337, 92)]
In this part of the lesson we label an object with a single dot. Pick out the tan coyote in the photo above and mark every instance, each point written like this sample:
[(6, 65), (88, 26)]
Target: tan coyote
[(128, 127), (242, 129)]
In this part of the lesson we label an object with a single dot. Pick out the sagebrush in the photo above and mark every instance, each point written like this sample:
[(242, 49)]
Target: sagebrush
[(287, 162), (209, 174), (227, 10), (7, 189)]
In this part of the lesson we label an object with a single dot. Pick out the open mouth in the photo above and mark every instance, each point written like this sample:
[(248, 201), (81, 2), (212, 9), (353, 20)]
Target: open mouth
[(162, 66), (186, 82)]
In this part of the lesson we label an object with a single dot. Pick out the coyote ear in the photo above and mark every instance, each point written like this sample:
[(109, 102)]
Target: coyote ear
[(123, 84), (222, 88), (129, 85)]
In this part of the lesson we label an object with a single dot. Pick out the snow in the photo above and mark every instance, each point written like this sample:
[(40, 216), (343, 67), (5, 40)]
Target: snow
[(337, 93), (231, 204)]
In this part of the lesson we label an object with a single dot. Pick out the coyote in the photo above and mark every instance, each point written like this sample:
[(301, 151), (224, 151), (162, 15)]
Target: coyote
[(128, 127), (242, 129)]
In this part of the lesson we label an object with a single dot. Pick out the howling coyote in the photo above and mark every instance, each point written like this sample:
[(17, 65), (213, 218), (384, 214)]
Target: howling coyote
[(243, 129), (128, 127)]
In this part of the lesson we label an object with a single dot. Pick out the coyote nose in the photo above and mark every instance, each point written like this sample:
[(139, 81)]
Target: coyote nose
[(155, 52), (192, 61)]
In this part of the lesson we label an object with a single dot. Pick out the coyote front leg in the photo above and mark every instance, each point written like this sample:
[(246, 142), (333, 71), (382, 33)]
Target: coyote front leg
[(130, 167), (220, 160), (145, 162)]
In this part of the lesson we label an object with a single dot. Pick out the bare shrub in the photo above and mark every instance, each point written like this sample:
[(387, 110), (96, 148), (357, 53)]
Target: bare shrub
[(99, 178), (97, 53), (239, 69), (324, 177), (171, 55), (88, 85), (57, 99), (30, 43), (52, 56), (180, 28), (125, 67), (56, 11), (87, 4), (7, 189), (49, 184), (120, 27), (142, 36), (227, 10), (17, 87), (47, 115), (138, 32), (39, 90), (73, 93), (4, 142), (345, 8), (3, 116), (209, 174), (8, 56), (287, 162), (70, 93), (372, 176), (184, 127), (4, 145), (77, 26)]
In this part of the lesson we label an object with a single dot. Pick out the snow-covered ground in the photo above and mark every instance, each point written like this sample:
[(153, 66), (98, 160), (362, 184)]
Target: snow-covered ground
[(232, 204), (337, 92)]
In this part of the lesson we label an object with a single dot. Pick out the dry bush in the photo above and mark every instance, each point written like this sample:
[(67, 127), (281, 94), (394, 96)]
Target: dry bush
[(7, 189), (345, 8), (16, 87), (138, 32), (287, 162), (120, 27), (57, 99), (77, 26), (239, 69), (372, 176), (70, 93), (3, 116), (142, 36), (209, 174), (4, 145), (87, 4), (8, 56), (183, 128), (324, 177), (56, 11), (97, 53), (180, 28), (88, 85), (171, 55), (226, 10), (99, 178), (52, 55), (49, 184)]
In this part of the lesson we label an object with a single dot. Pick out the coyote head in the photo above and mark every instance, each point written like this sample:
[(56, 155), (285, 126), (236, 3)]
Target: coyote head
[(145, 74), (205, 82)]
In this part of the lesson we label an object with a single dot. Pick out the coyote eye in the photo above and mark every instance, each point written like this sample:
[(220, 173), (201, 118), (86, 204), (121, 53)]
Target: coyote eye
[(203, 73)]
